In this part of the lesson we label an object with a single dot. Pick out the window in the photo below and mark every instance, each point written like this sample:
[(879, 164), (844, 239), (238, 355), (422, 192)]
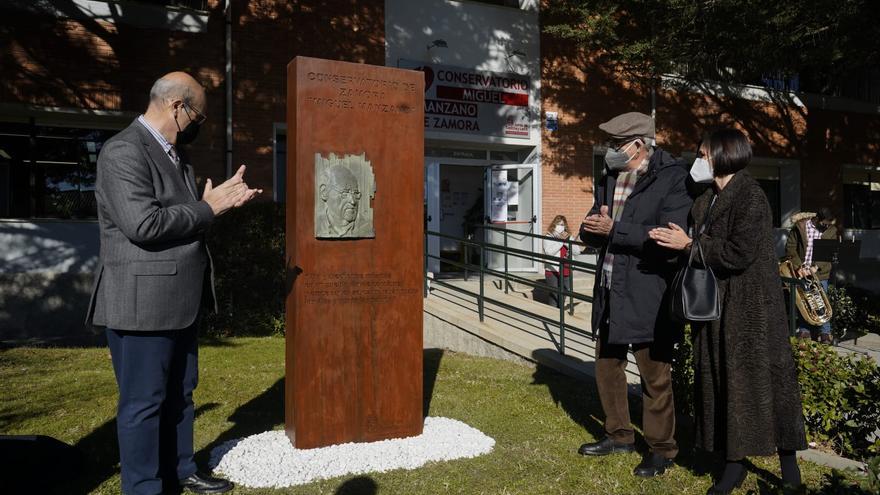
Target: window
[(280, 163), (768, 178), (598, 164), (860, 84), (186, 4), (503, 3), (48, 172), (861, 197)]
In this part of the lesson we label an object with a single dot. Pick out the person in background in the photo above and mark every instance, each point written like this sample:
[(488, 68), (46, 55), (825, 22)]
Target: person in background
[(747, 397), (558, 229), (643, 187), (807, 227)]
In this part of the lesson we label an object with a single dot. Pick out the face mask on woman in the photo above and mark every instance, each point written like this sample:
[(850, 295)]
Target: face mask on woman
[(701, 171), (617, 160), (559, 228)]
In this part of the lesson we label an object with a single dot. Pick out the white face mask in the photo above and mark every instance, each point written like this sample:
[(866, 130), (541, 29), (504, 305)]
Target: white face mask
[(701, 172), (559, 228)]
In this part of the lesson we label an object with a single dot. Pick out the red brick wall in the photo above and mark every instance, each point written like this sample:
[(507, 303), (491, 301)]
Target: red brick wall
[(584, 96), (268, 34), (835, 138), (98, 65)]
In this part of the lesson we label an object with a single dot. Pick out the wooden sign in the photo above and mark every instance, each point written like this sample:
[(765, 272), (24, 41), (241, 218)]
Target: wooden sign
[(354, 248)]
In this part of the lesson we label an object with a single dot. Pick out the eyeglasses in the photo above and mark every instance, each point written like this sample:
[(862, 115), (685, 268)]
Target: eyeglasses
[(355, 194), (620, 146), (200, 117)]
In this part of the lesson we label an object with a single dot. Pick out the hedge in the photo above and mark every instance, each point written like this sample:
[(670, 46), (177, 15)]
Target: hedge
[(247, 246)]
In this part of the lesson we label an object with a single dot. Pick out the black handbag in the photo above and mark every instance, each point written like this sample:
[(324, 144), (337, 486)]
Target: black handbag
[(695, 290)]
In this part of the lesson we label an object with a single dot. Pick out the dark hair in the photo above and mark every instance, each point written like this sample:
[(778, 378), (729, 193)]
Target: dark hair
[(824, 214), (730, 151)]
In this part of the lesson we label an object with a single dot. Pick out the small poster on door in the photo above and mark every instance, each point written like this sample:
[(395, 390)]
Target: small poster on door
[(500, 188), (513, 194)]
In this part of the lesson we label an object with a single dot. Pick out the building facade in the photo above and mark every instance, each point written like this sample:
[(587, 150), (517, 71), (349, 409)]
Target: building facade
[(511, 126)]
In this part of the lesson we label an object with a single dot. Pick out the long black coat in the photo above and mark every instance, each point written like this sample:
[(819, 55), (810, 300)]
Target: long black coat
[(747, 395), (642, 270)]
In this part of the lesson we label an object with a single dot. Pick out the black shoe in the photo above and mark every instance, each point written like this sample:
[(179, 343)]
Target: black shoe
[(800, 489), (202, 483), (714, 490), (605, 447), (653, 464)]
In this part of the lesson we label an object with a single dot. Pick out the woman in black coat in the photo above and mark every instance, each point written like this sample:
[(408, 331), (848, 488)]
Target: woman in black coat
[(747, 396)]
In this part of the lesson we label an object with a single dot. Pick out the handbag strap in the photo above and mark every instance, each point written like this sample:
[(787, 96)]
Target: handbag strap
[(695, 244), (708, 213)]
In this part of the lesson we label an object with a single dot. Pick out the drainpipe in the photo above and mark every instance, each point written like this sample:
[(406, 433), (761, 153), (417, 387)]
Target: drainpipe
[(228, 8)]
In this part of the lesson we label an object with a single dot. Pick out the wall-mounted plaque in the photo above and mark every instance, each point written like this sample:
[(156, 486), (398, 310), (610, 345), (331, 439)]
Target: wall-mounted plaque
[(344, 189)]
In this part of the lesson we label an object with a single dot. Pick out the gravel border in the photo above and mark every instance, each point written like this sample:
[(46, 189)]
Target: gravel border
[(268, 460)]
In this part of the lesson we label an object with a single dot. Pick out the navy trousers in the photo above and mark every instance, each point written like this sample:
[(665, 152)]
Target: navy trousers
[(156, 373)]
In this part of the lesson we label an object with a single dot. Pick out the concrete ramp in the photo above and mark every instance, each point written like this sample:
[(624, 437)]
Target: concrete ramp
[(452, 322)]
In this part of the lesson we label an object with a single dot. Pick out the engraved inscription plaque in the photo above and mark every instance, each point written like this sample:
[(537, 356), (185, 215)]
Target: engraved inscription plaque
[(354, 244), (344, 188)]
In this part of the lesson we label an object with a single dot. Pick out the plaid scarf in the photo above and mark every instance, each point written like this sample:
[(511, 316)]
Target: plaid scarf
[(626, 181), (812, 233)]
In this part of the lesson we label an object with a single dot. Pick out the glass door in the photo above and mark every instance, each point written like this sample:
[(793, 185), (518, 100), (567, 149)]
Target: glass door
[(510, 205)]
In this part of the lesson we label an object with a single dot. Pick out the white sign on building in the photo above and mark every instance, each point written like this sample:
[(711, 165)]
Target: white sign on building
[(474, 102)]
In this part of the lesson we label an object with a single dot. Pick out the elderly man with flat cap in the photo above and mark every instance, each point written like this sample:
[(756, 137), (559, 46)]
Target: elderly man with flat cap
[(153, 272), (643, 187)]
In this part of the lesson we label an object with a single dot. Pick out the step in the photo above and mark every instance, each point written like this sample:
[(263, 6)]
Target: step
[(523, 335)]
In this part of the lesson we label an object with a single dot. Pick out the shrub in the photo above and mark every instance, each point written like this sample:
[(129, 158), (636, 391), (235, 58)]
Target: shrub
[(840, 393), (849, 314), (683, 374), (841, 398), (247, 246)]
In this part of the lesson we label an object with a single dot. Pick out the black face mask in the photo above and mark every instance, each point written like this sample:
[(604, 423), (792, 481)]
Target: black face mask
[(188, 134), (821, 227)]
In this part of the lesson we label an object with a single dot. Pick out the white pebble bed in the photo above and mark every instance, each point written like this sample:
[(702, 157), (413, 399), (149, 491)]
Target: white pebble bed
[(268, 460)]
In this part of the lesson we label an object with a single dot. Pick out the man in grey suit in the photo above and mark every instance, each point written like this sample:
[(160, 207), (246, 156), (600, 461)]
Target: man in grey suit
[(153, 269)]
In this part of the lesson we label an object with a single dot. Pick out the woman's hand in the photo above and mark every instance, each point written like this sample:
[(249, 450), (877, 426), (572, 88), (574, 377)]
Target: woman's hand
[(673, 238)]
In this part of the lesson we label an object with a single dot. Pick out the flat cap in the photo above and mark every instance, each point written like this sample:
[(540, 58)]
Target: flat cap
[(630, 124)]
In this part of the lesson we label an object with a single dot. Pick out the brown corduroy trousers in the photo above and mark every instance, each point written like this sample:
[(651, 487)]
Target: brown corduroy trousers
[(658, 408)]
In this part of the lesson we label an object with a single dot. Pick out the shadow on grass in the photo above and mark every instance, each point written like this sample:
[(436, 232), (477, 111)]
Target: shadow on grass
[(101, 453), (580, 400), (361, 485), (206, 339), (258, 415), (431, 359), (266, 410)]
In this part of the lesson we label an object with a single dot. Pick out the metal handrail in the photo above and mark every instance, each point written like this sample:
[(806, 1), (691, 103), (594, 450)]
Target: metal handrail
[(560, 290), (570, 263), (792, 303)]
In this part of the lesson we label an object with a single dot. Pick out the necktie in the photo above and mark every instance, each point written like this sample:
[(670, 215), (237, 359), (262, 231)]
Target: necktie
[(181, 168)]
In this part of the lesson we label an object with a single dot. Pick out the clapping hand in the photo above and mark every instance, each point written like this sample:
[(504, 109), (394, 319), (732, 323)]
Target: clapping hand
[(599, 223), (234, 192), (673, 237)]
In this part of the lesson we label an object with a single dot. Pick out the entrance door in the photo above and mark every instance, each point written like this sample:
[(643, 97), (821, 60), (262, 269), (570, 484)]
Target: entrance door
[(511, 206), (461, 206)]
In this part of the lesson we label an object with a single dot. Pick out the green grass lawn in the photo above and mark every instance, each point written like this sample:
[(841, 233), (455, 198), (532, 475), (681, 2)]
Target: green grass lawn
[(537, 417)]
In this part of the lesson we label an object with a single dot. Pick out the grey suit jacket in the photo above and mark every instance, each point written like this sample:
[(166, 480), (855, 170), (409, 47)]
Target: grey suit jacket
[(154, 263)]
